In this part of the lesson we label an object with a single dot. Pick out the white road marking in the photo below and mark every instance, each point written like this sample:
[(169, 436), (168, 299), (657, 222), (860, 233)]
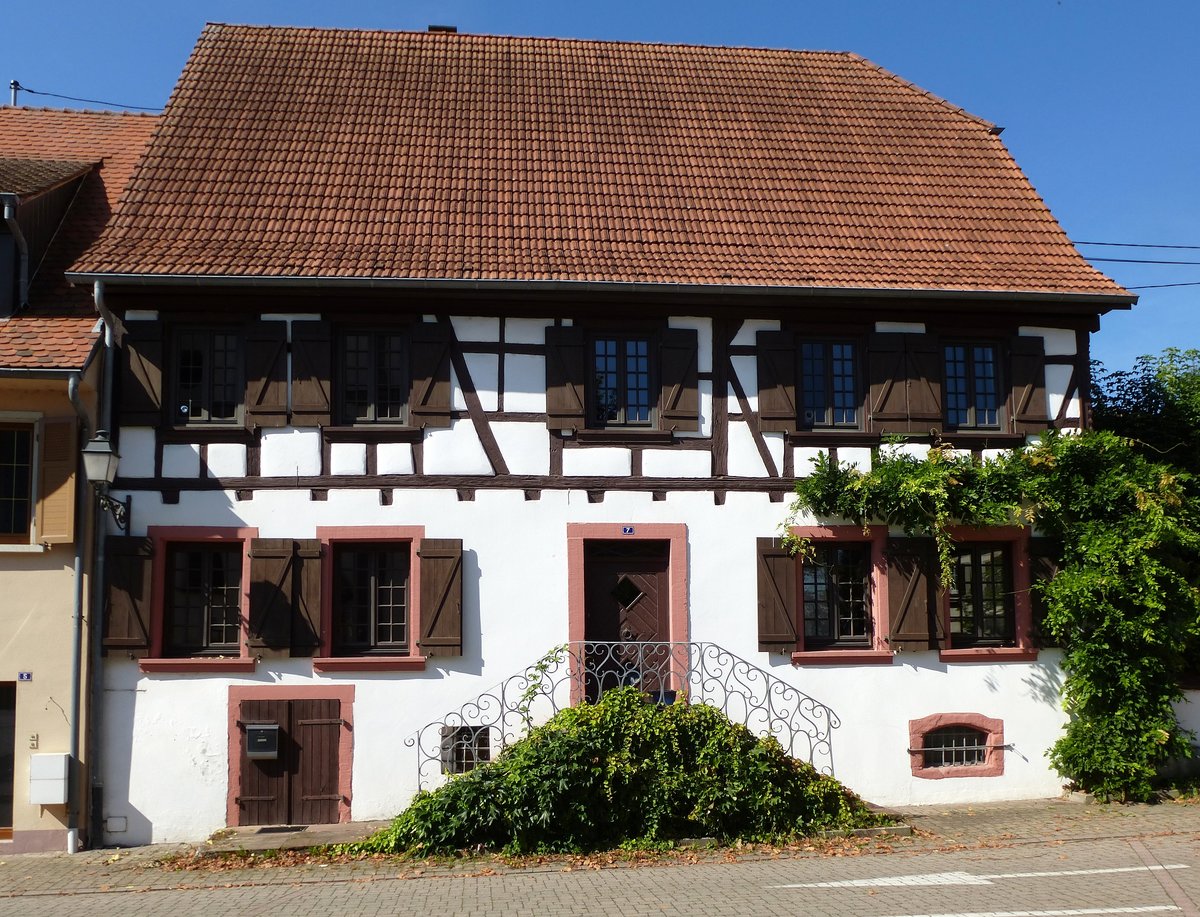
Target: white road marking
[(966, 878), (1074, 912)]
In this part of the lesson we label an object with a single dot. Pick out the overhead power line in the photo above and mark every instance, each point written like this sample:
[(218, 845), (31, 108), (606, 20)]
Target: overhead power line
[(1159, 286), (1140, 261), (1135, 245), (16, 87)]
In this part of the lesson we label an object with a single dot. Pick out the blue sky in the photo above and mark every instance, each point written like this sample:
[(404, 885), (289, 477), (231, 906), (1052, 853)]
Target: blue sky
[(1100, 98)]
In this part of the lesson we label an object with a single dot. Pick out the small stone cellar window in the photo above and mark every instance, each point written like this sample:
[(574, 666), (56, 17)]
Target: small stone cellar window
[(956, 745)]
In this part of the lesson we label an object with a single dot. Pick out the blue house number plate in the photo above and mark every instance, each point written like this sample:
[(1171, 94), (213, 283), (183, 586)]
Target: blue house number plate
[(24, 676), (627, 530)]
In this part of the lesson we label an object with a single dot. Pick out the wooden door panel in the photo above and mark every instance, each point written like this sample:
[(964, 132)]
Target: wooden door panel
[(316, 733), (266, 783)]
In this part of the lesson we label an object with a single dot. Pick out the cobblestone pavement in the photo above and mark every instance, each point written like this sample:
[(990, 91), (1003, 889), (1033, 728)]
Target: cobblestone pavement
[(1044, 859)]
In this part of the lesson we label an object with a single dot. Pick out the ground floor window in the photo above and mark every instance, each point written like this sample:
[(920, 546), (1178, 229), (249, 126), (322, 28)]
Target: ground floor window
[(956, 745)]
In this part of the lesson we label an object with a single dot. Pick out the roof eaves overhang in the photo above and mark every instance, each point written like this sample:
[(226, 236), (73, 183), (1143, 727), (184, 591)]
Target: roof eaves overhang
[(1094, 302)]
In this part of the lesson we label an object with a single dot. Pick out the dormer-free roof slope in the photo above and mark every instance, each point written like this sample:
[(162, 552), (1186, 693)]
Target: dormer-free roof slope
[(56, 331), (308, 153)]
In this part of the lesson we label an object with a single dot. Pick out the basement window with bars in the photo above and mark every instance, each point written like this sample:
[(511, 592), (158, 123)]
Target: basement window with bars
[(464, 748), (955, 746)]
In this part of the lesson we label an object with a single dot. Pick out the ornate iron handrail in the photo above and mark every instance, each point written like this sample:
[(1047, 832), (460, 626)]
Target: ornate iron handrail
[(577, 672)]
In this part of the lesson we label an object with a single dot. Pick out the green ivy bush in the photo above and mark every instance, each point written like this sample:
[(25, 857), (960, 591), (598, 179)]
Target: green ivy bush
[(625, 772), (1124, 605)]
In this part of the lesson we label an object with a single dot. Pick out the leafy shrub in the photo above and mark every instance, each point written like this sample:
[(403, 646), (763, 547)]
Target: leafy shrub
[(624, 771)]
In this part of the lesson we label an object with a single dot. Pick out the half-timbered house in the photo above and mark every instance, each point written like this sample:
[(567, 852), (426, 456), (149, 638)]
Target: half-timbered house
[(439, 352)]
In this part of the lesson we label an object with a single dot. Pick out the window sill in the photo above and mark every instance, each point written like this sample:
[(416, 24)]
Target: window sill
[(23, 548), (204, 433), (990, 654), (369, 664), (199, 665), (624, 436), (974, 770), (372, 433), (843, 657)]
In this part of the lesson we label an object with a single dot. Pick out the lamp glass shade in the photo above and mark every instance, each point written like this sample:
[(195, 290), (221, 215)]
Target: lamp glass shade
[(99, 460)]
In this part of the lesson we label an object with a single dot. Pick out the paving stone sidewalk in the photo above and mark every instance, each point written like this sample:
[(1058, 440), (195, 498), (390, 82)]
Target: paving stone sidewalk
[(935, 828)]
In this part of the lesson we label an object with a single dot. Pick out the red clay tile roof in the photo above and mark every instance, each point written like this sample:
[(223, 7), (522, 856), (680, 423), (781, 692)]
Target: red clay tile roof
[(27, 177), (55, 332), (324, 153)]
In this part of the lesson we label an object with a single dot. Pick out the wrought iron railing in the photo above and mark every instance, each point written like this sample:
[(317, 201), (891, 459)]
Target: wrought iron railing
[(577, 672)]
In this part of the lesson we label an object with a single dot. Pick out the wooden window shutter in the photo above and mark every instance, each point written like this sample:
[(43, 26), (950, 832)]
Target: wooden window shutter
[(306, 611), (887, 384), (1028, 406), (312, 369), (130, 573), (266, 375), (679, 407), (777, 409), (57, 464), (441, 596), (923, 358), (429, 403), (272, 596), (778, 603), (1045, 558), (141, 365), (914, 623), (566, 371)]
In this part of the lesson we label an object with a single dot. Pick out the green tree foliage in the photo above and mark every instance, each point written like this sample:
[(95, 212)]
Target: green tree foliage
[(1124, 604), (624, 771)]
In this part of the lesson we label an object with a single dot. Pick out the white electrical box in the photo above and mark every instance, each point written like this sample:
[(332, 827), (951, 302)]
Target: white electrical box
[(48, 777)]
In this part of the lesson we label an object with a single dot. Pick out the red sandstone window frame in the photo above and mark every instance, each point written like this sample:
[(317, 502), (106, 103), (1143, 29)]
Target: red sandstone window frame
[(332, 536), (164, 537), (993, 730), (878, 652)]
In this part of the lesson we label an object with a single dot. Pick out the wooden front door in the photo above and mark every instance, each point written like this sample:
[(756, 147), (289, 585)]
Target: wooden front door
[(300, 785), (8, 722), (626, 602)]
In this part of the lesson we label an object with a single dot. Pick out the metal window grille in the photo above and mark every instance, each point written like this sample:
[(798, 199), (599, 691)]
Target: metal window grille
[(829, 383), (972, 389), (836, 595), (371, 599), (16, 482), (204, 610), (464, 748), (954, 746), (374, 377), (981, 596), (621, 391)]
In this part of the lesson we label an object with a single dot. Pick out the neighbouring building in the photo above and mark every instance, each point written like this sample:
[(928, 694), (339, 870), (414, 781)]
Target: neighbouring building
[(438, 352), (61, 173)]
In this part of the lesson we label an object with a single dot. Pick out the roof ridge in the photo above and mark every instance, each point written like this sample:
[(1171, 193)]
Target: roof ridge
[(920, 90), (107, 112)]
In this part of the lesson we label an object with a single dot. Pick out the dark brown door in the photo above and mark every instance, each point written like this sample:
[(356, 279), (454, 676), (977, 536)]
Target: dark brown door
[(300, 786), (8, 721), (626, 615)]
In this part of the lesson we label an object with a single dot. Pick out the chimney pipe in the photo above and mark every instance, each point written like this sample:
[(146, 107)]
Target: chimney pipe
[(451, 29)]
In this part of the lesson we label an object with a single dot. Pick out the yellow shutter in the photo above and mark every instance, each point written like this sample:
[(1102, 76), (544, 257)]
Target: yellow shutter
[(56, 482)]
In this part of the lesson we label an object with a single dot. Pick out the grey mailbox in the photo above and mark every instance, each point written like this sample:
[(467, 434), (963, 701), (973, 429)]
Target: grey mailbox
[(262, 740)]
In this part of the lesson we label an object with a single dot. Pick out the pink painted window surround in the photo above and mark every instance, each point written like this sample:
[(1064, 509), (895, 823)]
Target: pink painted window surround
[(332, 536), (876, 650), (992, 730), (164, 538), (1022, 648)]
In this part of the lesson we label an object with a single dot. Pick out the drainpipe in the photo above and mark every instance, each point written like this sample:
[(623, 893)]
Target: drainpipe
[(10, 218), (82, 493), (95, 629)]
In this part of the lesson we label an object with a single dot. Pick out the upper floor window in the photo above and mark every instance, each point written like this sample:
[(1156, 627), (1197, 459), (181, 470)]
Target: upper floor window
[(981, 596), (829, 383), (621, 381), (202, 614), (371, 601), (836, 583), (16, 482), (208, 384), (374, 378), (972, 387)]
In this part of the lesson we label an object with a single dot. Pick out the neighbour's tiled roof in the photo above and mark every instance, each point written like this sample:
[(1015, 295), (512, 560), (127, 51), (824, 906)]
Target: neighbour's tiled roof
[(33, 176), (326, 153), (55, 332)]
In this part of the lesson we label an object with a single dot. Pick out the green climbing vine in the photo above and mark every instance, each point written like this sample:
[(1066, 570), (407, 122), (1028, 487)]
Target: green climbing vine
[(1123, 605)]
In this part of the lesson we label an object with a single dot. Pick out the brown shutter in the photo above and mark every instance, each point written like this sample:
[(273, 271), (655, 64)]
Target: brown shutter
[(912, 602), (1028, 366), (1045, 558), (56, 482), (566, 372), (777, 409), (141, 364), (312, 370), (680, 402), (778, 605), (272, 594), (441, 596), (923, 357), (887, 384), (306, 615), (429, 403), (130, 573), (266, 375)]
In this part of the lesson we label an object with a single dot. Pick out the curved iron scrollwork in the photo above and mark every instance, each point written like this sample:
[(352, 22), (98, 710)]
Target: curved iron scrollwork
[(581, 672)]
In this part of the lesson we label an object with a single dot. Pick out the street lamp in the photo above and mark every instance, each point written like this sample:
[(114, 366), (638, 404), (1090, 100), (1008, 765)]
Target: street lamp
[(100, 467)]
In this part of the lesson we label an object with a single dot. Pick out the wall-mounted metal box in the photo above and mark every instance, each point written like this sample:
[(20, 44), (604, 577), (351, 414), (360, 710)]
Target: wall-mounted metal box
[(48, 779), (262, 741)]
